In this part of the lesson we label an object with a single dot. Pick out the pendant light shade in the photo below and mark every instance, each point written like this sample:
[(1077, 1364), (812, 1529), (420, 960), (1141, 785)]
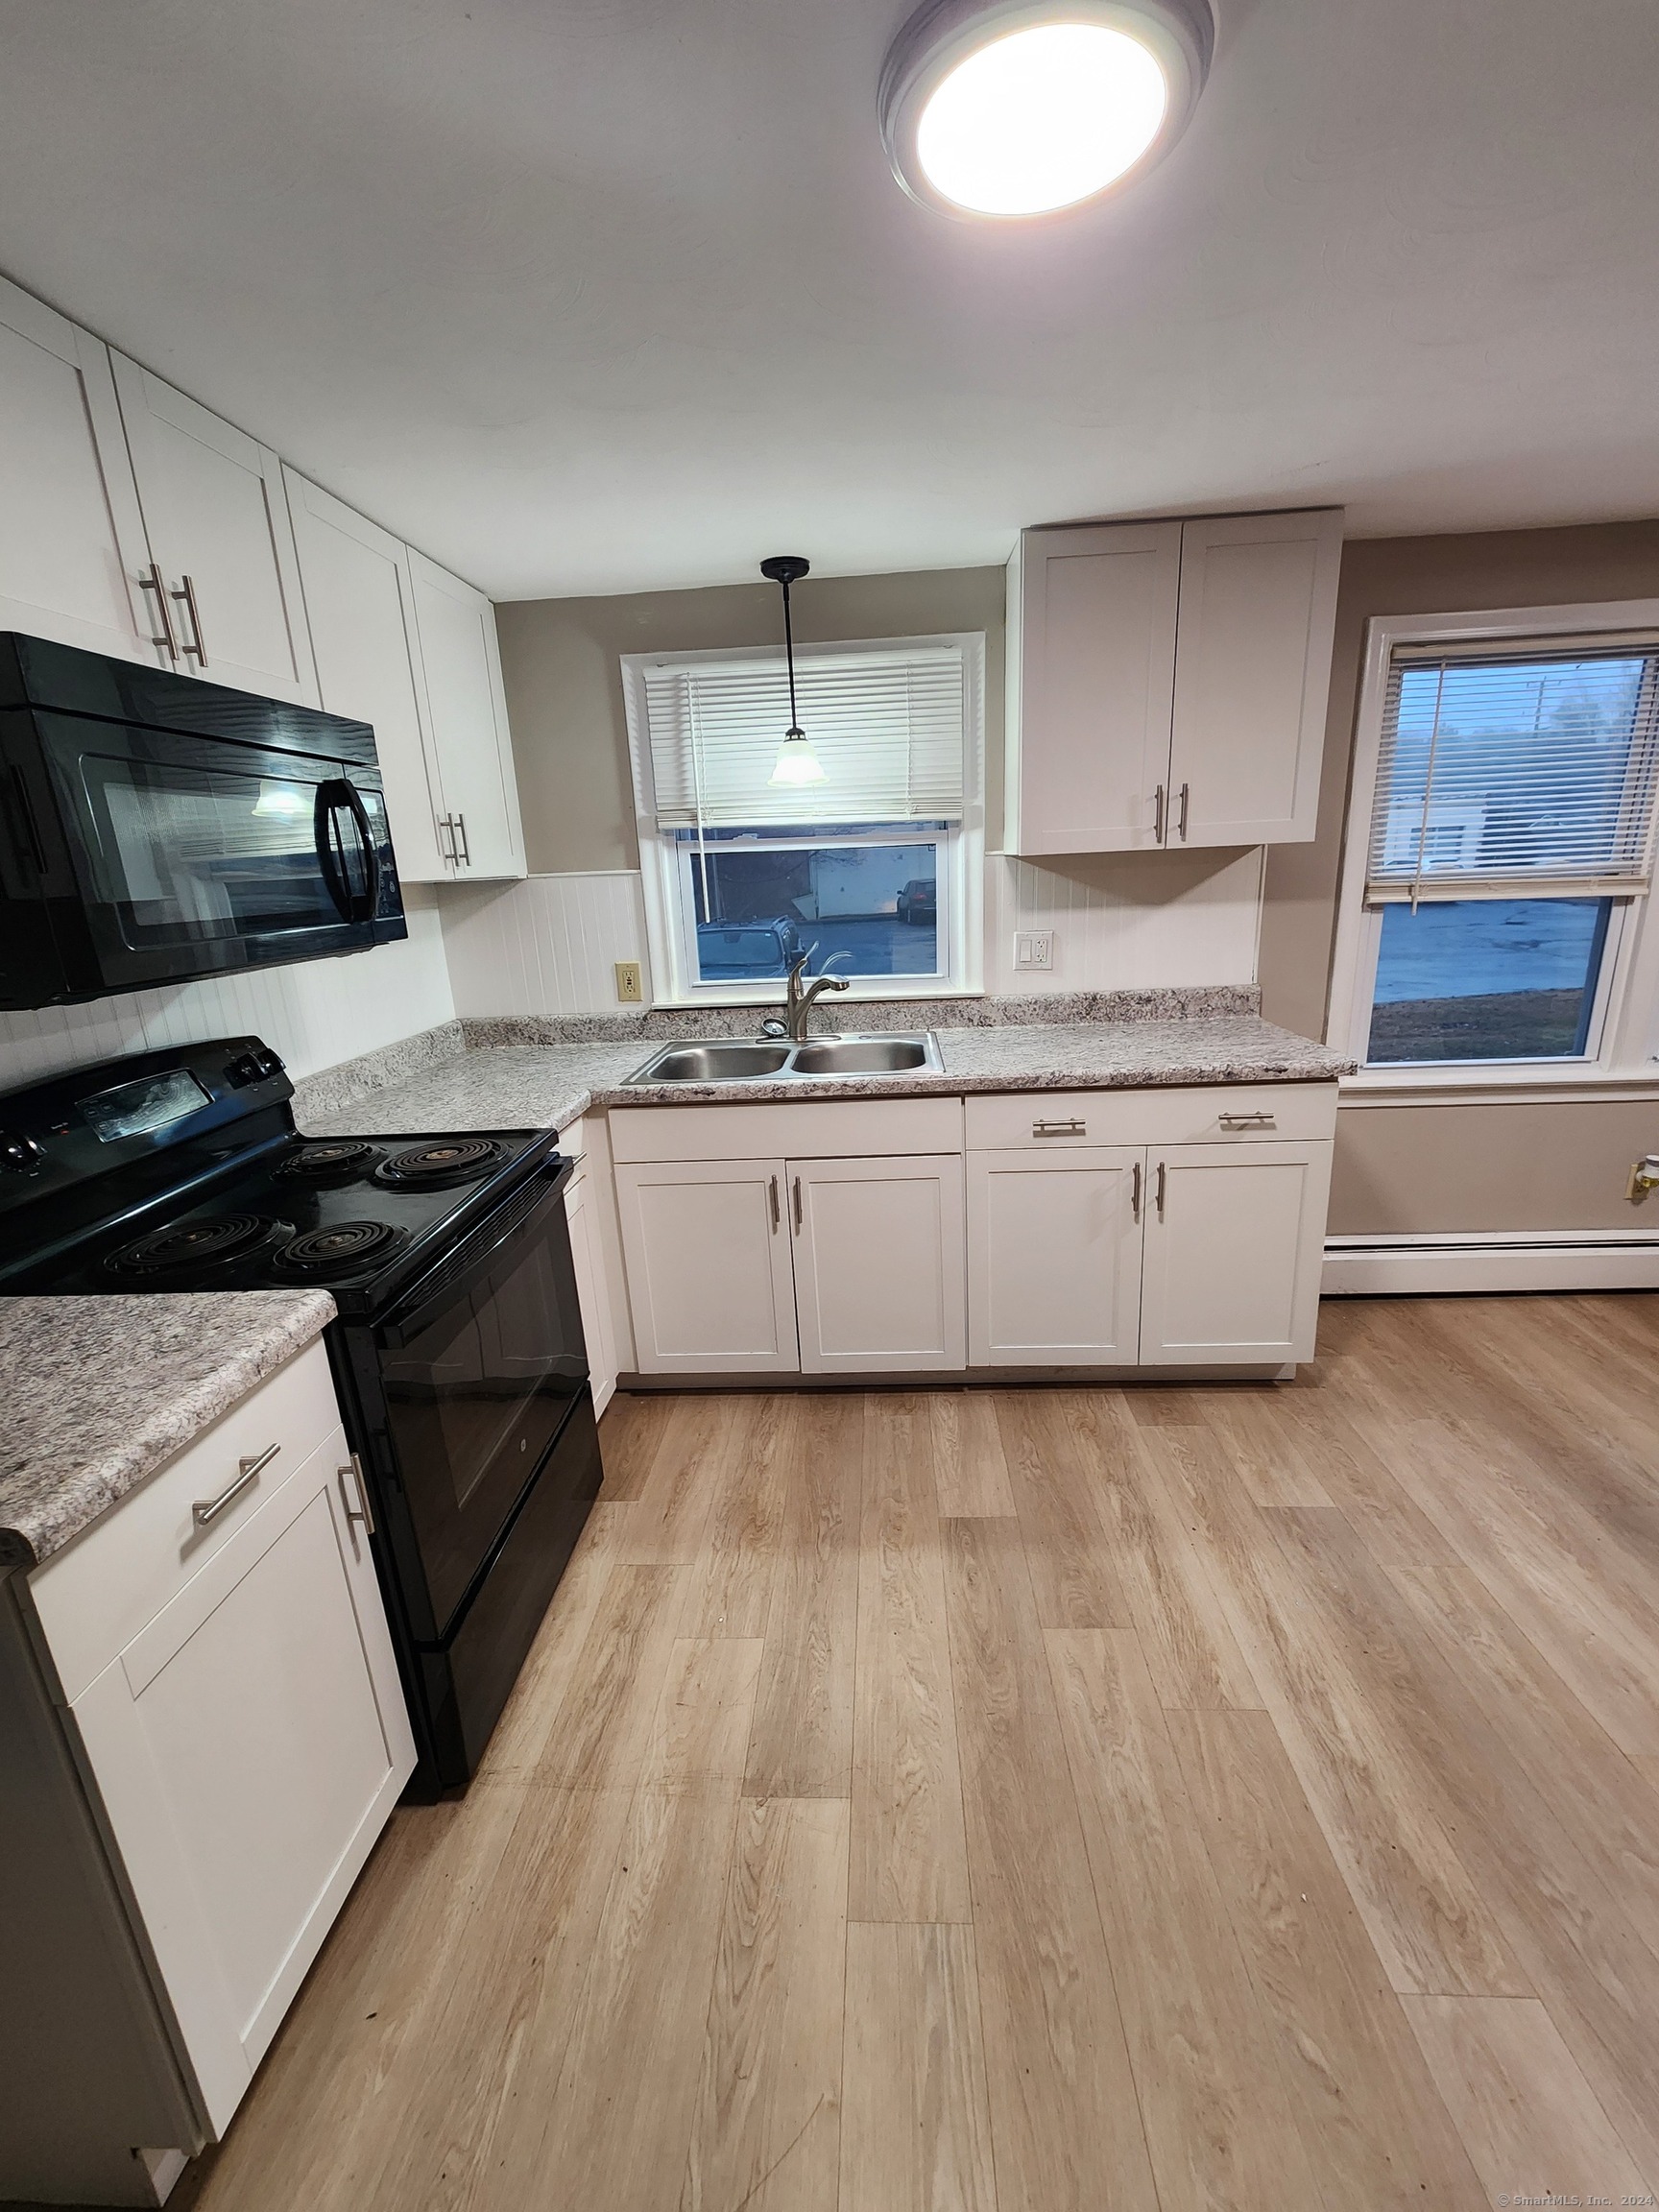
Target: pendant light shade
[(797, 762)]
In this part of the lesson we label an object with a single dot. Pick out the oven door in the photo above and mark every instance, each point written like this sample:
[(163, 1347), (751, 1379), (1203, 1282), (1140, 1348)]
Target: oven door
[(195, 854), (479, 1366)]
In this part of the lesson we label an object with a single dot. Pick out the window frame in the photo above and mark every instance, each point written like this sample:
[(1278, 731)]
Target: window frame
[(1622, 1030), (670, 929)]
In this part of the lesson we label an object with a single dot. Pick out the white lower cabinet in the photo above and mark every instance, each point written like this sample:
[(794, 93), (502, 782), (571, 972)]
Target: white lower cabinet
[(878, 1279), (1234, 1249), (237, 1704), (1054, 1257), (708, 1269)]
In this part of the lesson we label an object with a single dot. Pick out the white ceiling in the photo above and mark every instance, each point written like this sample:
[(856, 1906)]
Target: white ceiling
[(607, 295)]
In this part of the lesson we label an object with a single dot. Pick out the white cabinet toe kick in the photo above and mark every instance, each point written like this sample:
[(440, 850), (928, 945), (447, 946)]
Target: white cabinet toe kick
[(1019, 1237)]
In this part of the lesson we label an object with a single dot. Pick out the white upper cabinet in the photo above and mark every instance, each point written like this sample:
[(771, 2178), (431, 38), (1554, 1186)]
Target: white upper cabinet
[(360, 608), (1168, 682), (1092, 631), (1252, 670), (72, 547), (466, 713), (216, 516)]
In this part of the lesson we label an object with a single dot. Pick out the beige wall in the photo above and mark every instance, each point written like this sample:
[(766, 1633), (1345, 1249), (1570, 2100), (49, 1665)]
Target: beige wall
[(559, 661), (1451, 1168), (1458, 1169)]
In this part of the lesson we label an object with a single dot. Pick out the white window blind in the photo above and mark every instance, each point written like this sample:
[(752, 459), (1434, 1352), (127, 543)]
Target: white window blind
[(1516, 775), (888, 725)]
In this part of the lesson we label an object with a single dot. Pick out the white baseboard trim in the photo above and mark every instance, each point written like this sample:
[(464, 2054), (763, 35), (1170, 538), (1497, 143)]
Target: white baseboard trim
[(1377, 1266)]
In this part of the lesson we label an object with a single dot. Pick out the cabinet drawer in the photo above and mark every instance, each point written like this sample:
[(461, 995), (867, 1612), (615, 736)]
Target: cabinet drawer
[(94, 1597), (1214, 1114), (793, 1129)]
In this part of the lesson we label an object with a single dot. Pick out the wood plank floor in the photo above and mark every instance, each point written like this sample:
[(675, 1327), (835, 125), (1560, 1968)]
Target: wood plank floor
[(1209, 1801)]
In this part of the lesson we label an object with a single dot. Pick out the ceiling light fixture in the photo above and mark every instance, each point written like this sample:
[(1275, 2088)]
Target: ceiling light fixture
[(797, 762), (1022, 107)]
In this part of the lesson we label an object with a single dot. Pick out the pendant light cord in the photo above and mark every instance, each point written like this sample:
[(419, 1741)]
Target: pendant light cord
[(795, 730)]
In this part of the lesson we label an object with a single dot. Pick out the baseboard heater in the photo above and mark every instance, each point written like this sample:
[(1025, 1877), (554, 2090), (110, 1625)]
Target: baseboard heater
[(1559, 1260)]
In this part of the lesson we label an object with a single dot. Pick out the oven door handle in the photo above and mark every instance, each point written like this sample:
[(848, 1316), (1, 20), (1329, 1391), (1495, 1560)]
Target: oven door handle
[(452, 1274), (337, 795)]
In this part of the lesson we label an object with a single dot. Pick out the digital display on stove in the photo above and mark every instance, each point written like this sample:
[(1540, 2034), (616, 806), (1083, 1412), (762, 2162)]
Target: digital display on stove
[(134, 1108)]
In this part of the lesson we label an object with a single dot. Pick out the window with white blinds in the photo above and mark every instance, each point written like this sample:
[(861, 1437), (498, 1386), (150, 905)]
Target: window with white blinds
[(1520, 774), (889, 725)]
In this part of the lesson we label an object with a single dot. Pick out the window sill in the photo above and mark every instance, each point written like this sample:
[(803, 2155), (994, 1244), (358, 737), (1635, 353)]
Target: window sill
[(1471, 1085)]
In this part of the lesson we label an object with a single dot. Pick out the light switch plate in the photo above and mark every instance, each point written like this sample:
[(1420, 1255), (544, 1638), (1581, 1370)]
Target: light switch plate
[(1034, 948), (629, 988)]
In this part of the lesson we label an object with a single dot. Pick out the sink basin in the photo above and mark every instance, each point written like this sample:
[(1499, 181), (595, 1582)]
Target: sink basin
[(716, 1062), (859, 1056), (737, 1060)]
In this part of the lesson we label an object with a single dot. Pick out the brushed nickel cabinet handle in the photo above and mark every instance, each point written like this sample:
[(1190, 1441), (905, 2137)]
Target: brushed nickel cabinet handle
[(777, 1215), (208, 1509), (186, 599), (447, 852), (797, 1204), (1158, 815), (1159, 1195), (465, 856), (153, 583), (362, 1510), (1258, 1120), (1135, 1191), (1182, 823), (1072, 1128)]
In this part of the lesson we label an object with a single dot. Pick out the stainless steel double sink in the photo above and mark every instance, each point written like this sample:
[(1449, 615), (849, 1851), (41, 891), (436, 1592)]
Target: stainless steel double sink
[(744, 1060)]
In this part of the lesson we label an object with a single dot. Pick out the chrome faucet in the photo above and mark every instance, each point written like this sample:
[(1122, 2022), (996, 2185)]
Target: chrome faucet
[(801, 1001)]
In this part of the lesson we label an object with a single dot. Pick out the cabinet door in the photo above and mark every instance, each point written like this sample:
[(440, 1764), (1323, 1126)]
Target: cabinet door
[(1054, 1257), (879, 1263), (1252, 671), (72, 547), (1235, 1246), (1095, 668), (360, 611), (709, 1275), (215, 512), (249, 1745), (591, 1293), (466, 713)]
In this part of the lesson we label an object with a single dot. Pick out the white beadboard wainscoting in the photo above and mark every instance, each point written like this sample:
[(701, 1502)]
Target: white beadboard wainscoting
[(548, 944), (315, 1013)]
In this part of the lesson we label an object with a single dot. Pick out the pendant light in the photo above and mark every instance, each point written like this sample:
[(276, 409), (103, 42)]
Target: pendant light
[(1016, 108), (797, 762)]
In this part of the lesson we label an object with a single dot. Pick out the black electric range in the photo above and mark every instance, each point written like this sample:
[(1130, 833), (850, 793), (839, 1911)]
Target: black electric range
[(457, 1355)]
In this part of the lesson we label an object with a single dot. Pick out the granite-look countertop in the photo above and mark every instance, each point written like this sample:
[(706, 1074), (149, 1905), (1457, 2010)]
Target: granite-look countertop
[(99, 1392), (550, 1085)]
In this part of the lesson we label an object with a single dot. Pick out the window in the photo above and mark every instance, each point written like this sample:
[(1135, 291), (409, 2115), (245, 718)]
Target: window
[(874, 870), (1504, 798)]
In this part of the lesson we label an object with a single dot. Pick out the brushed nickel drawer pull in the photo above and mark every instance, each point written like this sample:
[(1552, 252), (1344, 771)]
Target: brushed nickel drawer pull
[(362, 1510), (1060, 1128), (207, 1509), (1135, 1191), (777, 1216), (1257, 1120)]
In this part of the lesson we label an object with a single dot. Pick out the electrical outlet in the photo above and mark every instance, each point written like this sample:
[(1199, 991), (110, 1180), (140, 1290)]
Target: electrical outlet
[(1034, 948), (629, 988)]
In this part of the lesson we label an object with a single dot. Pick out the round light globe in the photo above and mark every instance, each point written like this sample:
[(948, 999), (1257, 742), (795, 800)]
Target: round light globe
[(1018, 110), (1042, 118)]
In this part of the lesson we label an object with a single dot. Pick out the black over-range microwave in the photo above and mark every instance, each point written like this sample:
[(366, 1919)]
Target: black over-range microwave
[(154, 828)]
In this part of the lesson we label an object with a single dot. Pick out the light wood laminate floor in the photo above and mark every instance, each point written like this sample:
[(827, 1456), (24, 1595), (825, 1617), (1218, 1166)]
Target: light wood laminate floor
[(1045, 1801)]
